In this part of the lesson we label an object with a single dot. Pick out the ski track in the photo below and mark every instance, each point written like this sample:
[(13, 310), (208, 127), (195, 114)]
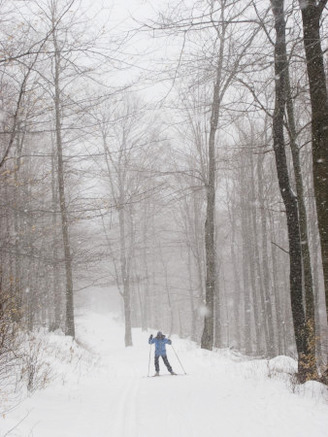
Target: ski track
[(125, 424), (219, 396)]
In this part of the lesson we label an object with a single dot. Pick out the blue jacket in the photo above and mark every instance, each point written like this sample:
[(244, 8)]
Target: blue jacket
[(160, 343)]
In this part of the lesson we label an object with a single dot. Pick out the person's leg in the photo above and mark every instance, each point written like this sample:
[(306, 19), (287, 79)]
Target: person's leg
[(157, 363), (167, 364)]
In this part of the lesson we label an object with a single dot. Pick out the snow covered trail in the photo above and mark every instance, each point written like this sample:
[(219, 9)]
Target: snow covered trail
[(222, 395)]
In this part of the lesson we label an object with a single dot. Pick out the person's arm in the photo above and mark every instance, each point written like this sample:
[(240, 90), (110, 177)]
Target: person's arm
[(151, 339), (168, 341)]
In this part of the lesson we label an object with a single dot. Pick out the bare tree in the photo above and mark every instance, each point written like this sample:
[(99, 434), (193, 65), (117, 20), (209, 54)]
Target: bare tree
[(311, 14), (305, 361)]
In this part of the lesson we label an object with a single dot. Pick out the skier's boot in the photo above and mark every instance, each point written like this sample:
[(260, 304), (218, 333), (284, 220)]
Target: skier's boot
[(173, 373), (156, 374)]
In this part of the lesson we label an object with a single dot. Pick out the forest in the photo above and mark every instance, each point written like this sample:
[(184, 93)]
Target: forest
[(178, 160)]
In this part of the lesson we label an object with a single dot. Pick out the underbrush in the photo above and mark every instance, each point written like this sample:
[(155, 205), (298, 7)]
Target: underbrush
[(30, 361)]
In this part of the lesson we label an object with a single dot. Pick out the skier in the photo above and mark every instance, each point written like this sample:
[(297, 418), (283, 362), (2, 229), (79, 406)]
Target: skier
[(160, 351)]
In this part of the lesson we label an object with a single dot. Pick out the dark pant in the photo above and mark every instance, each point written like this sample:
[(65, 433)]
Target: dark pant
[(166, 362)]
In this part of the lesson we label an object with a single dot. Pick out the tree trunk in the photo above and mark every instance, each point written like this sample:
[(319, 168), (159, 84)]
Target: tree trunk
[(250, 238), (316, 282), (17, 316), (289, 198), (208, 332), (127, 315), (191, 298), (283, 310), (56, 298), (311, 14), (210, 252), (145, 250), (245, 264), (70, 323), (306, 257), (125, 276), (268, 322), (236, 276), (254, 242)]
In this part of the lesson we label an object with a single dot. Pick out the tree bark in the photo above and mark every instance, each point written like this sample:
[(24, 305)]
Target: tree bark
[(268, 322), (306, 256), (125, 275), (289, 198), (311, 14), (70, 323), (236, 281), (208, 332), (246, 289), (56, 298), (210, 252), (191, 297)]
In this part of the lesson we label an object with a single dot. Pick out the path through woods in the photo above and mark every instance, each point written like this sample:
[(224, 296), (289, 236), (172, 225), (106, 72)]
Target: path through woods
[(223, 394)]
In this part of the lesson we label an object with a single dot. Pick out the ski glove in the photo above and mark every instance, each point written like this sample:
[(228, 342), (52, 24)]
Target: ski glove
[(151, 337)]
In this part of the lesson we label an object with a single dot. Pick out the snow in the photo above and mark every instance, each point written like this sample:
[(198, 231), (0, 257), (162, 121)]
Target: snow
[(103, 390)]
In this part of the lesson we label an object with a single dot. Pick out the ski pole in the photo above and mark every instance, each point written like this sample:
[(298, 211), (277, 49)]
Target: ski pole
[(149, 360), (179, 360)]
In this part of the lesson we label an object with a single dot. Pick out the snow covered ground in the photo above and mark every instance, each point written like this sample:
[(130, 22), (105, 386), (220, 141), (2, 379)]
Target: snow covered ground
[(105, 392)]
